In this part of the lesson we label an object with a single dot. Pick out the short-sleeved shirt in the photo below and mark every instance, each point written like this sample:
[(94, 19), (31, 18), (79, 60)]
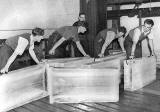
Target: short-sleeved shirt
[(107, 35), (69, 32)]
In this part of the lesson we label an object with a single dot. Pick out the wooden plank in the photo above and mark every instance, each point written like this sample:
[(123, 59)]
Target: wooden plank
[(21, 109), (34, 108), (137, 102), (64, 106), (139, 72), (12, 111), (145, 101), (80, 107), (70, 85), (84, 107), (99, 107), (47, 106), (22, 86)]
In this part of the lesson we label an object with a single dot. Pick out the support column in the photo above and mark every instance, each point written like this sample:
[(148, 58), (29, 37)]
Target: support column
[(96, 17)]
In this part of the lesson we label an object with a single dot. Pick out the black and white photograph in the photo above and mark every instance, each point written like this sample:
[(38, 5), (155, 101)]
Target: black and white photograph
[(79, 56)]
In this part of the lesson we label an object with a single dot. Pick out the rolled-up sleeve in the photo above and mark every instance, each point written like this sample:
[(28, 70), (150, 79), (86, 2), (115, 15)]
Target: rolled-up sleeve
[(22, 44), (109, 37)]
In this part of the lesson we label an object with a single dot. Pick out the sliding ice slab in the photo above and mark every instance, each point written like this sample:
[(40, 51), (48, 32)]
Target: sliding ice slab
[(110, 61), (112, 56), (22, 86), (69, 62), (139, 72)]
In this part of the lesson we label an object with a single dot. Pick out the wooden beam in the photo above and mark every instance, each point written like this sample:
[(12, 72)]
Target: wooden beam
[(146, 12), (125, 2), (96, 17)]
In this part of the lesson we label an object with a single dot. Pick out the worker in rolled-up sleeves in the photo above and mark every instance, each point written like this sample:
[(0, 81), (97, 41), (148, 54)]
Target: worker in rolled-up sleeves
[(133, 41)]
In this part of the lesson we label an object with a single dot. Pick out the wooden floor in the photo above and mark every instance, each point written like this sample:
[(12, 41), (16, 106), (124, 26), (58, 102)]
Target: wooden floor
[(129, 102)]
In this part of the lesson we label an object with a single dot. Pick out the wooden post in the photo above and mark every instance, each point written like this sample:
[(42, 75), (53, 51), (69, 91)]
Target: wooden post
[(96, 17)]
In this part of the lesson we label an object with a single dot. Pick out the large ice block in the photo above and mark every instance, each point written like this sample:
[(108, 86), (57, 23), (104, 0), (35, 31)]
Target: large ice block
[(22, 86), (86, 84), (139, 72)]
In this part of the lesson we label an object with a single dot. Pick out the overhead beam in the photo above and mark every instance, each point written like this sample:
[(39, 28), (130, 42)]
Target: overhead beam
[(145, 12), (125, 2)]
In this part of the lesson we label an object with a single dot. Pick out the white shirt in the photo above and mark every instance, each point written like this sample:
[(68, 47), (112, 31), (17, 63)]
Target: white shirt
[(22, 44)]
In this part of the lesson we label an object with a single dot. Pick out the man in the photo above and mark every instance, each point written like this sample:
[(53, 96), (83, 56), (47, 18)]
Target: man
[(15, 46), (82, 22), (82, 36), (105, 37), (133, 41), (63, 34)]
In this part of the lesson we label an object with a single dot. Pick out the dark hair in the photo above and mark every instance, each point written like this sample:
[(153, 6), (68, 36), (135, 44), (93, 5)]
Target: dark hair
[(81, 13), (149, 21), (37, 31), (122, 29)]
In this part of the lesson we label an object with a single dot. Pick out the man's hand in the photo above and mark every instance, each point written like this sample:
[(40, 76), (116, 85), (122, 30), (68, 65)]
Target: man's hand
[(131, 57), (123, 51), (86, 55), (101, 55), (4, 70), (52, 52), (153, 54)]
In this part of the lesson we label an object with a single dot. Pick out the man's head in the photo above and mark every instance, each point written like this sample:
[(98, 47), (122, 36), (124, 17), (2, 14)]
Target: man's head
[(82, 17), (121, 31), (148, 24), (37, 33)]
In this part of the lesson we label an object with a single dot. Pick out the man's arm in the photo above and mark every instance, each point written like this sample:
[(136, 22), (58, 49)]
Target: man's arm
[(109, 38), (121, 43), (9, 62), (21, 46), (79, 46), (75, 24), (56, 45), (151, 46), (33, 55)]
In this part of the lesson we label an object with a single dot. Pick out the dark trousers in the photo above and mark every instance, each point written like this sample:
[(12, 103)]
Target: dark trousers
[(128, 47), (98, 43), (85, 44)]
